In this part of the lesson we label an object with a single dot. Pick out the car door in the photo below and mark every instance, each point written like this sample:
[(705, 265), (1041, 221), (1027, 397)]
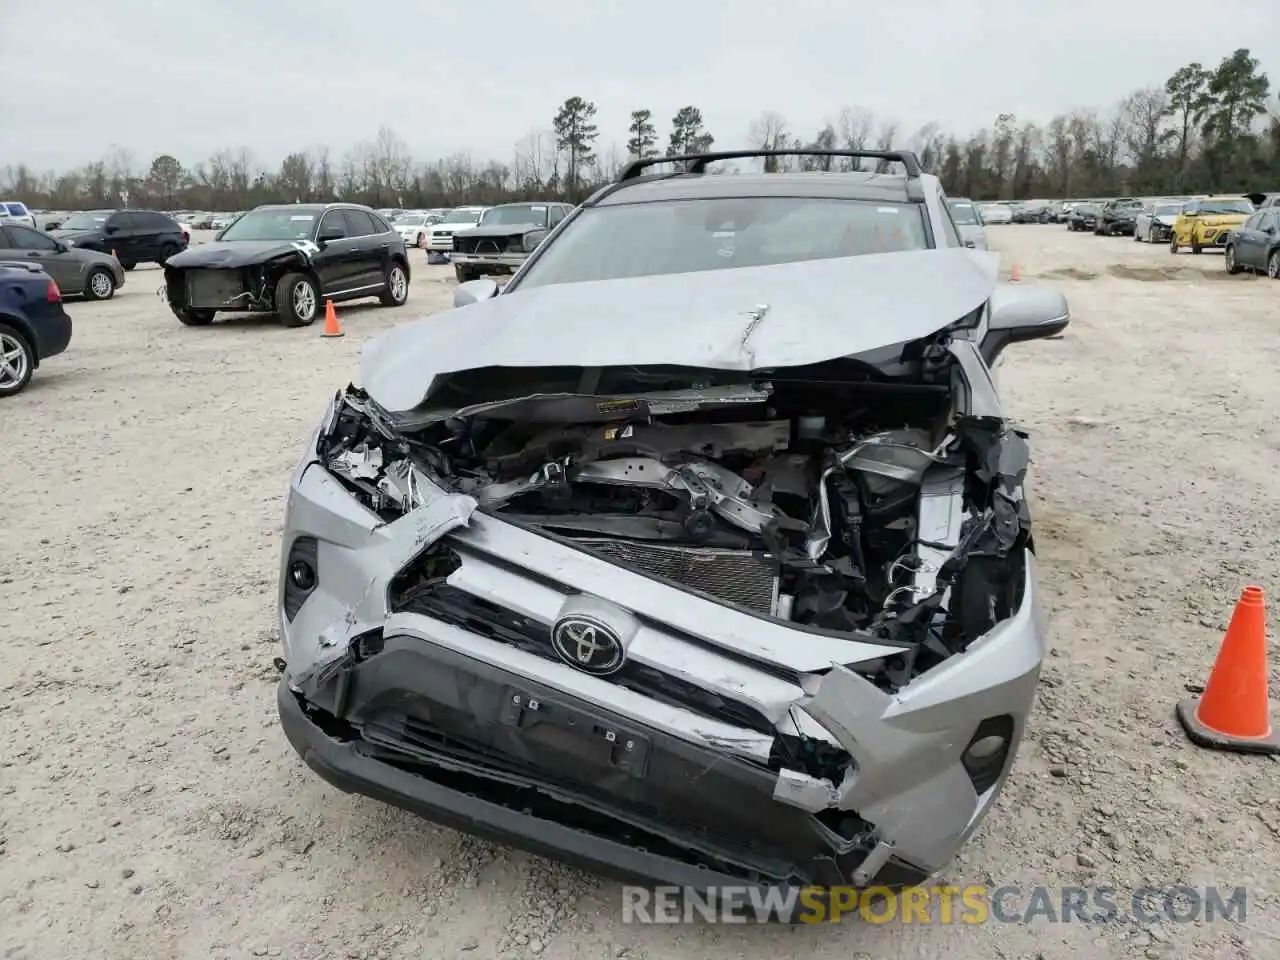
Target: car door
[(1269, 235), (1249, 244), (374, 240), (120, 234), (337, 263), (23, 243)]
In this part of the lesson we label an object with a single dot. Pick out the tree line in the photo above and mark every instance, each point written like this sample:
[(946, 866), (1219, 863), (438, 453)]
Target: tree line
[(1204, 130)]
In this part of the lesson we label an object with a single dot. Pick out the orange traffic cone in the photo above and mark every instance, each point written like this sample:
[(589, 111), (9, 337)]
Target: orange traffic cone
[(331, 328), (1234, 712), (1016, 273)]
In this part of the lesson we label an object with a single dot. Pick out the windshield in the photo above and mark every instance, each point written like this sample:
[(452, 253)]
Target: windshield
[(686, 236), (280, 224), (413, 220), (964, 215), (462, 216), (1167, 209), (522, 213), (1086, 208), (1214, 207), (16, 209), (84, 221)]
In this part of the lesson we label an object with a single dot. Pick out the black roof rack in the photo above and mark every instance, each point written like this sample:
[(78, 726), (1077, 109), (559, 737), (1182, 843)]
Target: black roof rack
[(697, 162)]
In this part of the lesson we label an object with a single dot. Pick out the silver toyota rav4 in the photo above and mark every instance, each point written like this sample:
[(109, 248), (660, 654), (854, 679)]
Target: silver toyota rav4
[(699, 553)]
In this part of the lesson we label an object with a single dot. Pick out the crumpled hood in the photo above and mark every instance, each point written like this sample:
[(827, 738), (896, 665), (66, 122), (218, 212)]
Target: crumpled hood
[(230, 254), (1223, 220), (742, 318)]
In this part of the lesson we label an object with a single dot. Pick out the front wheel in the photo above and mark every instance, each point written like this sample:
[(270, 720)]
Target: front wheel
[(297, 300), (1273, 265), (167, 251), (463, 274), (397, 291), (17, 362), (1229, 259), (1195, 247), (99, 285), (190, 317)]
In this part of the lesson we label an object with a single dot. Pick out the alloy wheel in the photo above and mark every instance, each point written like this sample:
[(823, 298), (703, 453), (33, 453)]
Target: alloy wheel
[(13, 362), (304, 301), (100, 284)]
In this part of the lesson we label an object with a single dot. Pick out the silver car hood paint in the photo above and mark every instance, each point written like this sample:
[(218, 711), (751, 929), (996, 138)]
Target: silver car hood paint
[(743, 318)]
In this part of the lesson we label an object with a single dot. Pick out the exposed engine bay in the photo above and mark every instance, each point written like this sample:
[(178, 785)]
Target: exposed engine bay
[(801, 495)]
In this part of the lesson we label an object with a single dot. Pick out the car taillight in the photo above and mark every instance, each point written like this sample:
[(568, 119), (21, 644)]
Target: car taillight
[(54, 295)]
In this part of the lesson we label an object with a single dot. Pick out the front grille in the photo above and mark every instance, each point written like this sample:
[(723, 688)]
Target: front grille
[(213, 288), (740, 577), (449, 604), (482, 245)]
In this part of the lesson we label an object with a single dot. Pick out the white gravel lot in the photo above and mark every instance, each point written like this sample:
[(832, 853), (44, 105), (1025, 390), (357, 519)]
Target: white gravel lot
[(151, 808)]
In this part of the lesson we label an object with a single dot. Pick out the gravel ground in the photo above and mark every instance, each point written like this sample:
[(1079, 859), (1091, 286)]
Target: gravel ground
[(150, 807)]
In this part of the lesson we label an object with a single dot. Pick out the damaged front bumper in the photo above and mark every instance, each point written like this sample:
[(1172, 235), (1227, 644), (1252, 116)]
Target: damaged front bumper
[(454, 709)]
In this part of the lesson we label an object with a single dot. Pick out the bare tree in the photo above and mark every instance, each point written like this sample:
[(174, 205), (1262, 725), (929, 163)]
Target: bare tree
[(769, 132)]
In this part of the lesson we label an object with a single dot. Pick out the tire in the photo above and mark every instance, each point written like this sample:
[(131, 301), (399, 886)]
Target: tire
[(1151, 235), (1229, 259), (463, 274), (297, 300), (1195, 247), (128, 266), (17, 361), (1273, 265), (99, 284), (167, 251), (397, 291), (193, 318)]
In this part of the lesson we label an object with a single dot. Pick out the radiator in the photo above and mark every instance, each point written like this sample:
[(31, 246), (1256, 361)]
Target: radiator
[(214, 288), (744, 578)]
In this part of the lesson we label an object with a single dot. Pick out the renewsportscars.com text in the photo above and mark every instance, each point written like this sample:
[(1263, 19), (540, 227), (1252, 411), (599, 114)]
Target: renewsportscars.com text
[(943, 904)]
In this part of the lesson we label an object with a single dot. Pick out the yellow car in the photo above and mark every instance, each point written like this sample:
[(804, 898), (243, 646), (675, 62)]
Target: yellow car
[(1206, 223)]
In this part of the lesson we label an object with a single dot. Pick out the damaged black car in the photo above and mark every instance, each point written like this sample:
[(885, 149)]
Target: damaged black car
[(287, 260)]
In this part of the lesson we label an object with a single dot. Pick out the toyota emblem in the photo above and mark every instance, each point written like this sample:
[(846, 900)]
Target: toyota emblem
[(588, 645)]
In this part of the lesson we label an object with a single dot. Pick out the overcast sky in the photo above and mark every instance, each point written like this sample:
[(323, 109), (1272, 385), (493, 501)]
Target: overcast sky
[(188, 77)]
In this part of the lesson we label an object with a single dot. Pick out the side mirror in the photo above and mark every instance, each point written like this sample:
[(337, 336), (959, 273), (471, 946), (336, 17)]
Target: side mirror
[(60, 247), (1021, 312), (475, 291), (109, 228)]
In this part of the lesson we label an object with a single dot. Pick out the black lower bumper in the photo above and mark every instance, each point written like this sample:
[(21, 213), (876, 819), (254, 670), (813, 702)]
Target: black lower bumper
[(454, 740)]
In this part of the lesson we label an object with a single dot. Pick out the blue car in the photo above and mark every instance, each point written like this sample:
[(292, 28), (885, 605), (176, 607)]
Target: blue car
[(33, 324)]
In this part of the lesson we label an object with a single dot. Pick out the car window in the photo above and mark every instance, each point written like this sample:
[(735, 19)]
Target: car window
[(949, 225), (17, 209), (333, 225), (557, 214), (683, 236), (122, 221), (359, 223), (1269, 219), (24, 238)]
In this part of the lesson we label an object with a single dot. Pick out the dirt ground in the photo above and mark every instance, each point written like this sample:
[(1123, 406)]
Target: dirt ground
[(150, 806)]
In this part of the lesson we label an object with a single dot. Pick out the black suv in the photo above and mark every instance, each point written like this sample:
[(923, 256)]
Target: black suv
[(288, 259), (131, 236), (1118, 216)]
